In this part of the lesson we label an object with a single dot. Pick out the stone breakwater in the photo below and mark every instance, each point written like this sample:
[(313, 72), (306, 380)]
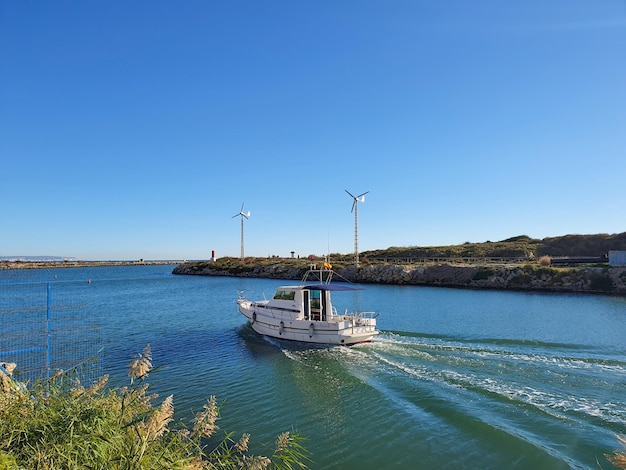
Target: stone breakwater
[(596, 280)]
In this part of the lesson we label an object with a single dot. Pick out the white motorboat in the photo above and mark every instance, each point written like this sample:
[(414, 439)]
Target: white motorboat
[(306, 313)]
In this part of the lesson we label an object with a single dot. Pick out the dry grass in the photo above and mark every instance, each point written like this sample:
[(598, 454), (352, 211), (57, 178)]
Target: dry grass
[(205, 421), (58, 423), (141, 365), (545, 261), (619, 457)]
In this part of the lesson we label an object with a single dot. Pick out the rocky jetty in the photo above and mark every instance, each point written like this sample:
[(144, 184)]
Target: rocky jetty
[(528, 277)]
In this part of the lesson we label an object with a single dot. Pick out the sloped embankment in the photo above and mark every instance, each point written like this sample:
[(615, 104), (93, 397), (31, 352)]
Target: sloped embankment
[(598, 280)]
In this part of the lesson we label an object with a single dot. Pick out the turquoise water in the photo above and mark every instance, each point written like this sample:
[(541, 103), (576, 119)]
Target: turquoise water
[(457, 379)]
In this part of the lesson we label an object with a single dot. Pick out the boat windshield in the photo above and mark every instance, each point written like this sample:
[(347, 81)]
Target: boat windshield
[(281, 294)]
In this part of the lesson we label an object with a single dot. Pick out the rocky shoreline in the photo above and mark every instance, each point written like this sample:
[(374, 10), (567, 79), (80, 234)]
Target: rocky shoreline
[(529, 277)]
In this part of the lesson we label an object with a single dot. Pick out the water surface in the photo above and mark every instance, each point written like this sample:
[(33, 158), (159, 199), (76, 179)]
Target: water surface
[(457, 379)]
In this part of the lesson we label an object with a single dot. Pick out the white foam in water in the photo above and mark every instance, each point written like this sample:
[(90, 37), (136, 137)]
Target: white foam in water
[(470, 368), (559, 402)]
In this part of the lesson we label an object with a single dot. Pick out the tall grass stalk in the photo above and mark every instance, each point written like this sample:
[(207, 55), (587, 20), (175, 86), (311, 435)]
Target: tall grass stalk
[(619, 457), (58, 423)]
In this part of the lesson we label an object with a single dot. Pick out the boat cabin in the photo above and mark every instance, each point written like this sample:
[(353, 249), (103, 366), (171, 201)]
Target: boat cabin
[(310, 302)]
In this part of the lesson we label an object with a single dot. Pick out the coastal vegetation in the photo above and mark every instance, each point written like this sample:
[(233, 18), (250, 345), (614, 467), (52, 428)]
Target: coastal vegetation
[(532, 255), (521, 246), (58, 423), (520, 249)]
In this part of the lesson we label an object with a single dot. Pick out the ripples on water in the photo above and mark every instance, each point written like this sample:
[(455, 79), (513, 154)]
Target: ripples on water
[(490, 404), (457, 379)]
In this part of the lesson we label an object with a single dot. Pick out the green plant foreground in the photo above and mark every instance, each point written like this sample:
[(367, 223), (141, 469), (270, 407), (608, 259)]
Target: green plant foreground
[(59, 424)]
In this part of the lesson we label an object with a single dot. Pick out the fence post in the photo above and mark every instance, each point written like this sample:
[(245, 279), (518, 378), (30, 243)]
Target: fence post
[(49, 343)]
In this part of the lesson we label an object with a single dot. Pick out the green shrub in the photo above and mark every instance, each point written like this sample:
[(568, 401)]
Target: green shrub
[(543, 270), (483, 273), (520, 281), (58, 423), (601, 282)]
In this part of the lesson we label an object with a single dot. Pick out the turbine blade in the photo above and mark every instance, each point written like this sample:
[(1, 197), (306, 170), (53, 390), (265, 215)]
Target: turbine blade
[(353, 204), (362, 194), (349, 193)]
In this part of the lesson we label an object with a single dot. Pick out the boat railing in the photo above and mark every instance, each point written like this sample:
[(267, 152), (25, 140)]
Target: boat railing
[(370, 315), (364, 319), (241, 296)]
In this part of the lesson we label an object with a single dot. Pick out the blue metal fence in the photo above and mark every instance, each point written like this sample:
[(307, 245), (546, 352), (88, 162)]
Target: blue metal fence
[(42, 331)]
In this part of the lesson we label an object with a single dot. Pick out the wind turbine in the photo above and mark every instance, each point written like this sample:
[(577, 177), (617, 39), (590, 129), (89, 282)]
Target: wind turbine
[(243, 216), (355, 209)]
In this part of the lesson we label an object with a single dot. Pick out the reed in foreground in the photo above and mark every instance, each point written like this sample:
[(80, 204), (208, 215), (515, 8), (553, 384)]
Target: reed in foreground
[(58, 423), (619, 457)]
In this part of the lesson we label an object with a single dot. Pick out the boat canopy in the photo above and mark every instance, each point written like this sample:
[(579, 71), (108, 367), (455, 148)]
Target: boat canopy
[(329, 287)]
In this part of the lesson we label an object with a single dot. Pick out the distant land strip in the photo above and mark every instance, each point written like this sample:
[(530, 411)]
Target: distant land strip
[(20, 264)]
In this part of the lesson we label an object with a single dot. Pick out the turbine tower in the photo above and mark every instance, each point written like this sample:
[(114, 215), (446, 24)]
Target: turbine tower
[(243, 216), (355, 209)]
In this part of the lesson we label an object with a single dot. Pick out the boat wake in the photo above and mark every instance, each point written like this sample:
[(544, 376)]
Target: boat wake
[(567, 383), (495, 391)]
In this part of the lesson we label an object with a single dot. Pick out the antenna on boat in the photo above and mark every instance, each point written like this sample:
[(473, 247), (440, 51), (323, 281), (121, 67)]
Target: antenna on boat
[(355, 209), (328, 249), (243, 216)]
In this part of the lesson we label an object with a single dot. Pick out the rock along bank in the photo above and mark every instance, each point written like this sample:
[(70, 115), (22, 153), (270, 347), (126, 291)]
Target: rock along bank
[(528, 277)]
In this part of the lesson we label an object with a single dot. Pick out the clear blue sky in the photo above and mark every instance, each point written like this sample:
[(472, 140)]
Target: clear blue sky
[(135, 129)]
